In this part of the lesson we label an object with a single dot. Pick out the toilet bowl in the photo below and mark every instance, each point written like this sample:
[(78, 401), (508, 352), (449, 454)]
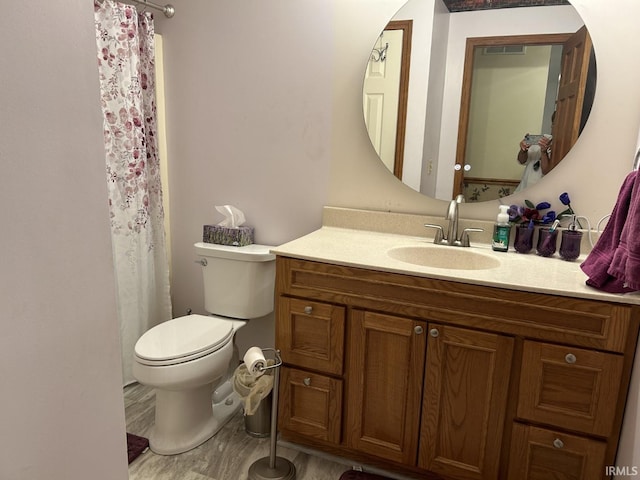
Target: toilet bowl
[(186, 360), (190, 360)]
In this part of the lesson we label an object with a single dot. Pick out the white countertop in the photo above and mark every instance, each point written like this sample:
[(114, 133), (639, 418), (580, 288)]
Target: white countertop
[(528, 272)]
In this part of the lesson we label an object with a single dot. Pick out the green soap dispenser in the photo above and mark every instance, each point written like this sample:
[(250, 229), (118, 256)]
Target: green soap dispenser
[(501, 230)]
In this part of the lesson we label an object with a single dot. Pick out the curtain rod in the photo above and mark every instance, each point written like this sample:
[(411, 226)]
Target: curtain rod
[(168, 9)]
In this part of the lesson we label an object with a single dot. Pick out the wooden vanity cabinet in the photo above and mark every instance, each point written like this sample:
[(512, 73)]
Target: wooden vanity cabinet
[(312, 334), (386, 364), (543, 454), (444, 380), (465, 401), (569, 387), (311, 404), (311, 337), (566, 388)]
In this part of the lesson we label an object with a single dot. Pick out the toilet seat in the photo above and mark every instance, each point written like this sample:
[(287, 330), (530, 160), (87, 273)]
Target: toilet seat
[(183, 339)]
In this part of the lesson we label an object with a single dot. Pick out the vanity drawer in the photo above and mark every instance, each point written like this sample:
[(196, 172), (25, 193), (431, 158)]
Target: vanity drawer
[(551, 318), (310, 404), (541, 454), (311, 334), (569, 387)]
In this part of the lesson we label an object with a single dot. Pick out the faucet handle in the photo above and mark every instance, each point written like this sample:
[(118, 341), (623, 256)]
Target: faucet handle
[(464, 238), (439, 236)]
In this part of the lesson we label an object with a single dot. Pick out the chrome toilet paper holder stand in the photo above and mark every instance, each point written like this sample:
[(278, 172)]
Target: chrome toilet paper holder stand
[(273, 467)]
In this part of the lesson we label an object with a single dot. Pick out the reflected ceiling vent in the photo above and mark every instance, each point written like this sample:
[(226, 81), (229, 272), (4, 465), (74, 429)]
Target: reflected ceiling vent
[(471, 5), (505, 50)]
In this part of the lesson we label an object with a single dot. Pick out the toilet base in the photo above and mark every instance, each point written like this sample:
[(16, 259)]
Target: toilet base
[(187, 419)]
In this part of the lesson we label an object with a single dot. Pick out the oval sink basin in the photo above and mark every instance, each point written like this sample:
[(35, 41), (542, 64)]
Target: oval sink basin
[(452, 258)]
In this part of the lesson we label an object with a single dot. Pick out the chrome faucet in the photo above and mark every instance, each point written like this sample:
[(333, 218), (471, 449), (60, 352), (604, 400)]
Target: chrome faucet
[(451, 237), (452, 216)]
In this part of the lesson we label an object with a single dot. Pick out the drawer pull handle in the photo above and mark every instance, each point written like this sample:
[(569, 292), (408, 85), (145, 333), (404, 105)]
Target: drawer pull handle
[(434, 332), (307, 381), (308, 309), (558, 443), (418, 329), (570, 358)]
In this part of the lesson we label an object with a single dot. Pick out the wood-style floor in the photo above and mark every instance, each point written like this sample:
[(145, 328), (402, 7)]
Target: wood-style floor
[(226, 456)]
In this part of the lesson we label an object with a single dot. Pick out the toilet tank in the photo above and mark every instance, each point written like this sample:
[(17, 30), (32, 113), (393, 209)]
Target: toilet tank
[(238, 281)]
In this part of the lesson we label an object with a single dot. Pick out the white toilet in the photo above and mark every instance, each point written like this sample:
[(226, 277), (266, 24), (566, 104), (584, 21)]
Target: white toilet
[(190, 360)]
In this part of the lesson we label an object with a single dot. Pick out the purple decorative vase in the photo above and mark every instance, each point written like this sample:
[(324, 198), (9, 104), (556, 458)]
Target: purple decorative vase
[(570, 244), (523, 241), (547, 240)]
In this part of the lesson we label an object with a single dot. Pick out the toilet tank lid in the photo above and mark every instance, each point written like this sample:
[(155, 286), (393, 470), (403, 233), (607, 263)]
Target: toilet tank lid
[(247, 253)]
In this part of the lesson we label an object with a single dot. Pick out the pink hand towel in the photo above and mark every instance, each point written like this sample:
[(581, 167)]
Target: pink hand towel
[(597, 264)]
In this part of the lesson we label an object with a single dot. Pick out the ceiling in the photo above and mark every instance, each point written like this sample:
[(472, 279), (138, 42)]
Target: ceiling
[(467, 5)]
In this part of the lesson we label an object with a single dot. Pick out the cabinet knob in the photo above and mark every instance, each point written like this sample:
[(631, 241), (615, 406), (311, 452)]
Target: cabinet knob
[(418, 329), (434, 332), (308, 309), (570, 358), (558, 443), (307, 381)]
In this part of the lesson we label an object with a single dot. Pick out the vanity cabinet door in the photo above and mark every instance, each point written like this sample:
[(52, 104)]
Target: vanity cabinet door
[(465, 399), (570, 387), (386, 365), (541, 454), (311, 405), (311, 334)]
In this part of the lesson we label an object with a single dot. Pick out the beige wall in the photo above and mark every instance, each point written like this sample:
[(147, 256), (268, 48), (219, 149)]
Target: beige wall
[(249, 103), (61, 410)]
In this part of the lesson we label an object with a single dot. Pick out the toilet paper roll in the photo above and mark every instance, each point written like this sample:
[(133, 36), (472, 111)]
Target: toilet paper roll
[(254, 360)]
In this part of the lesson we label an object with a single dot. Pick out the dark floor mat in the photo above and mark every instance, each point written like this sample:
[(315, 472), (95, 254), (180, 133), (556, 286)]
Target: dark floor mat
[(135, 446), (355, 475)]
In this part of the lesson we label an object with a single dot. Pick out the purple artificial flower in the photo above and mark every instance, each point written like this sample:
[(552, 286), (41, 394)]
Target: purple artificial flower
[(530, 212), (515, 212), (564, 198), (549, 217)]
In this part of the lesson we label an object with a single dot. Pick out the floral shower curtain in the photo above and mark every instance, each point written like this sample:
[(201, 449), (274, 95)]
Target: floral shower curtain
[(126, 59)]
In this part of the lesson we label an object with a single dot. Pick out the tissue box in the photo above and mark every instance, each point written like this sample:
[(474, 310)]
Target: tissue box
[(236, 236)]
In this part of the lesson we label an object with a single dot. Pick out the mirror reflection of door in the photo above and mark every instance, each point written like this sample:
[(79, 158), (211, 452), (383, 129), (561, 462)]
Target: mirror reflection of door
[(385, 93), (577, 60), (494, 116)]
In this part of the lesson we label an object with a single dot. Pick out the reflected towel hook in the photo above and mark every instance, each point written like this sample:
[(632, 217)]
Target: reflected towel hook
[(379, 54)]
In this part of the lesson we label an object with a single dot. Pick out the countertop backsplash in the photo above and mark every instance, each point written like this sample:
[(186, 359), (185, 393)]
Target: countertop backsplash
[(413, 225)]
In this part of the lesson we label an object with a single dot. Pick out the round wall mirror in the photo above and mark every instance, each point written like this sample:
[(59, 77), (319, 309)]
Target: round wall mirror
[(448, 96)]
